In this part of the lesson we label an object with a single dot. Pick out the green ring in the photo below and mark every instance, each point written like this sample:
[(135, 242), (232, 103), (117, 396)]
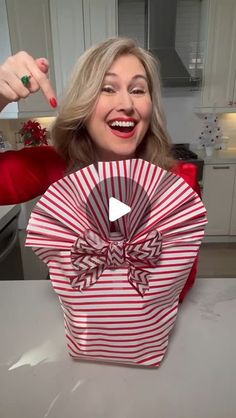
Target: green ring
[(25, 80)]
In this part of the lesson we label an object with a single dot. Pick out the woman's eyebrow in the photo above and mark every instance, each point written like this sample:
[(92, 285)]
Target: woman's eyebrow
[(133, 78)]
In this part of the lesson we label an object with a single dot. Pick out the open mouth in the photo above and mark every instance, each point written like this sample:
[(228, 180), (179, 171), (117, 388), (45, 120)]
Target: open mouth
[(122, 127)]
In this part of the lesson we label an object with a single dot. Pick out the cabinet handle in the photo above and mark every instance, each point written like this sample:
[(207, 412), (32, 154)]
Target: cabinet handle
[(231, 102), (234, 86), (221, 167)]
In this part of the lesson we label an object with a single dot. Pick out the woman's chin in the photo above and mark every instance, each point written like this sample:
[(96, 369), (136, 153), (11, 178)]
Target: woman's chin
[(116, 156)]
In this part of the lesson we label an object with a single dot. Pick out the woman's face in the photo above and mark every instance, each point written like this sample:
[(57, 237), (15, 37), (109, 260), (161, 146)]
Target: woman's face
[(123, 111)]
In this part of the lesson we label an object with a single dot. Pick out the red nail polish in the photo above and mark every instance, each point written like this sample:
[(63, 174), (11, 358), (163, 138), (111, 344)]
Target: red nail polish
[(43, 63), (53, 102)]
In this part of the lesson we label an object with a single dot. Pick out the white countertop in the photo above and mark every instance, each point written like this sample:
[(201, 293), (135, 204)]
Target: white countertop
[(219, 156), (38, 379), (7, 213)]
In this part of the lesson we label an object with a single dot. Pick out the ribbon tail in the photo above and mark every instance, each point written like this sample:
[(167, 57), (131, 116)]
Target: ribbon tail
[(138, 278), (87, 278)]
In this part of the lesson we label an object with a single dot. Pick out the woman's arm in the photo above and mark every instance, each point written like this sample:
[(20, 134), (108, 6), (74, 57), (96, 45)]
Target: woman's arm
[(28, 173)]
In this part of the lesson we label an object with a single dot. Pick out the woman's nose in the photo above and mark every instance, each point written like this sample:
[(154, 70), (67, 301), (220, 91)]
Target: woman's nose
[(125, 102)]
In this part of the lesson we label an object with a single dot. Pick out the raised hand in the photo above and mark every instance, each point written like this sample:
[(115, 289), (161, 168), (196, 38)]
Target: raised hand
[(14, 86)]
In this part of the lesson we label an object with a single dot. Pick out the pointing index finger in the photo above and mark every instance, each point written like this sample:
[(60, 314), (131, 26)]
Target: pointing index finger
[(40, 76)]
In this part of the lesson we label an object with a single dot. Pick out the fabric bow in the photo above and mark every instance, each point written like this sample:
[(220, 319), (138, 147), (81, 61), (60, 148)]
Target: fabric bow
[(91, 255)]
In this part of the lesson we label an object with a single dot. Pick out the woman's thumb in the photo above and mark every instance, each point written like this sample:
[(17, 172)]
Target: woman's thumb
[(43, 64)]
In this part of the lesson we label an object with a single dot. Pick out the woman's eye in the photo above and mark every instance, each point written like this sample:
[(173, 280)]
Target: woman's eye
[(108, 89), (138, 91)]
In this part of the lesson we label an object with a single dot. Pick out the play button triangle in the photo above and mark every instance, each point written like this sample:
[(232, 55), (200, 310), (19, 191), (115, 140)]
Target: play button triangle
[(117, 209)]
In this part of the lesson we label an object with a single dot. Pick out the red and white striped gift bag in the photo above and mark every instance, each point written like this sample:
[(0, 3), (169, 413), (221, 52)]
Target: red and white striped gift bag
[(119, 291)]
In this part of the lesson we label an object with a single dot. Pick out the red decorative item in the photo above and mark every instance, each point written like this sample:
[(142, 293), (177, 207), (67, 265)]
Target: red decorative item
[(33, 134)]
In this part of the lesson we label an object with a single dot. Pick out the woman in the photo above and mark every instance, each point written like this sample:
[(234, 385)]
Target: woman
[(76, 127), (111, 111)]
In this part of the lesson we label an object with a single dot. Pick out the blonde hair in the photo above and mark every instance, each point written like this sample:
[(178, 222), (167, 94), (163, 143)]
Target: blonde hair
[(69, 134)]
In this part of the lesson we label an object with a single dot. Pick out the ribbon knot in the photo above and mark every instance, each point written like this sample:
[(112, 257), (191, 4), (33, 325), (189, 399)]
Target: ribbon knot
[(91, 255), (116, 253)]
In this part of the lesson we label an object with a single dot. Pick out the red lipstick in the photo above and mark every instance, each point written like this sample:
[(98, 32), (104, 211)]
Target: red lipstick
[(125, 132)]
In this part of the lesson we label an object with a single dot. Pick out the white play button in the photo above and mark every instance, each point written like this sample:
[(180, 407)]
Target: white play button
[(117, 209)]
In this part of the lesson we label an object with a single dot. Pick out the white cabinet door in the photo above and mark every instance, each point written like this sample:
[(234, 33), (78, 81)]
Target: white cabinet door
[(218, 190), (5, 45), (233, 212), (76, 25), (100, 20), (67, 25), (220, 55), (5, 52), (29, 27)]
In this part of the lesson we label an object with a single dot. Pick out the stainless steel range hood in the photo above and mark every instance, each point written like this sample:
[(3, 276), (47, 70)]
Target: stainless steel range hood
[(160, 30)]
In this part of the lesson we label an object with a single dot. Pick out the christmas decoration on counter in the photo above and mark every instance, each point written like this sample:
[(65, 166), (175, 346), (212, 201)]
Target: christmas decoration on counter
[(211, 135), (32, 134)]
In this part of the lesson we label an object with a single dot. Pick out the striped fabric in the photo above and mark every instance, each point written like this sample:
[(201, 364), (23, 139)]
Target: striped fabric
[(109, 319)]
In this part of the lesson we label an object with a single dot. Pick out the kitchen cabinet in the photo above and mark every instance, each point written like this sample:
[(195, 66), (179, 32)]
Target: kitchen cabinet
[(29, 30), (219, 197), (233, 212), (5, 51), (59, 30), (11, 267), (100, 20), (76, 25), (219, 78), (67, 25)]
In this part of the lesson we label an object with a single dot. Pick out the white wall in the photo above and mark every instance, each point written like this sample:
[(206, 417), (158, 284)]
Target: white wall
[(183, 124)]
